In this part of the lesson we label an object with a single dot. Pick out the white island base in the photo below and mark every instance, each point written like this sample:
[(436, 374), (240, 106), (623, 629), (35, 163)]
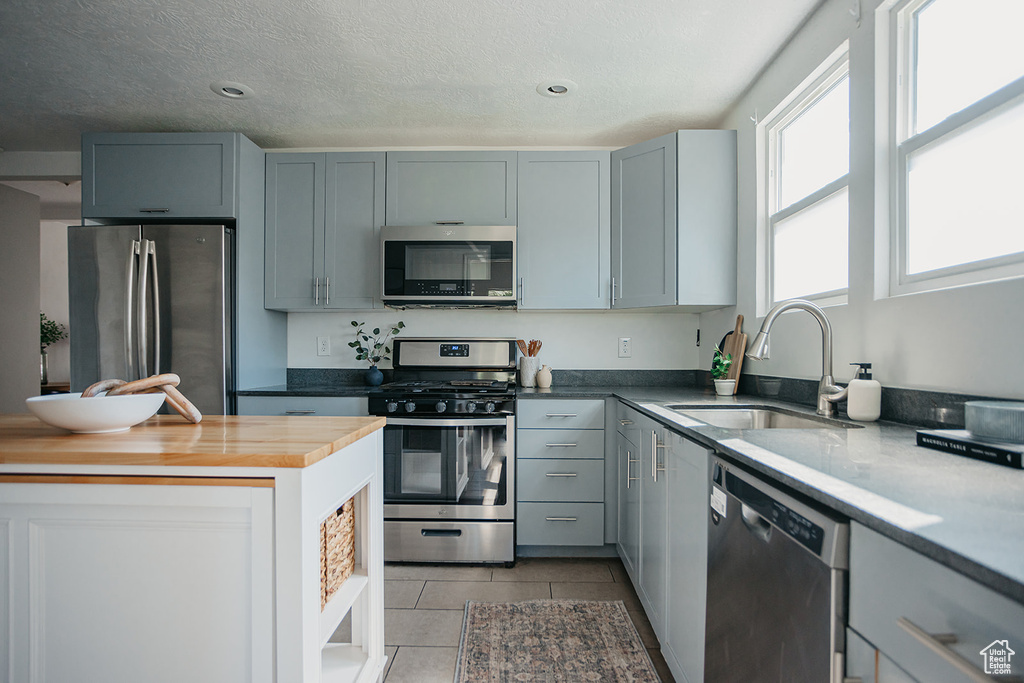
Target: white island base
[(187, 573)]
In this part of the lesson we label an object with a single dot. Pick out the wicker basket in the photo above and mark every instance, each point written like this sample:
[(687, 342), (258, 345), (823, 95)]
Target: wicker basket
[(337, 550)]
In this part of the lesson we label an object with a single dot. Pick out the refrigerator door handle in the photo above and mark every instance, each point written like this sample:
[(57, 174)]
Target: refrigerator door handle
[(156, 310), (142, 312), (129, 311)]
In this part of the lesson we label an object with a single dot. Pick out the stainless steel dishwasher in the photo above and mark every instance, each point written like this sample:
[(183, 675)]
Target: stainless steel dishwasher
[(776, 585)]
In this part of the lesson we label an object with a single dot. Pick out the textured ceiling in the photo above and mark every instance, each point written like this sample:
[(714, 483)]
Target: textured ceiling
[(359, 73)]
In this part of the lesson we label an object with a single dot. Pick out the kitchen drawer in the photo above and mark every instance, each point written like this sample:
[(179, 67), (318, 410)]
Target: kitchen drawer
[(892, 585), (561, 480), (337, 406), (560, 414), (560, 443), (627, 422), (560, 524)]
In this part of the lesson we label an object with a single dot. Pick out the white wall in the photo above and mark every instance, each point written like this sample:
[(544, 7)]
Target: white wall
[(960, 340), (19, 298), (572, 340), (53, 293)]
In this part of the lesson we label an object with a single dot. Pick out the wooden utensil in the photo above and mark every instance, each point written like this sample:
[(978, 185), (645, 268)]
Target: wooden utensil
[(736, 345), (521, 343)]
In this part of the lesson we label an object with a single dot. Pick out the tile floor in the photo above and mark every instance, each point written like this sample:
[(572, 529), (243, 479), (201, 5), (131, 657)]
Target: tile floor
[(424, 605)]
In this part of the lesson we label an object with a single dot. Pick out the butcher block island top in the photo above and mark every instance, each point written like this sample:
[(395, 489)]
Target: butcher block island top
[(168, 441), (191, 552)]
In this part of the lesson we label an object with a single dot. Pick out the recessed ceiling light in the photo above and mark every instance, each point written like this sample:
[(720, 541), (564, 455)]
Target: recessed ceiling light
[(557, 88), (231, 90)]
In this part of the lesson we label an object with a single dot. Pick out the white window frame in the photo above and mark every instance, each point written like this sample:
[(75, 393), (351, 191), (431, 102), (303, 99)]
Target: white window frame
[(902, 145), (822, 80)]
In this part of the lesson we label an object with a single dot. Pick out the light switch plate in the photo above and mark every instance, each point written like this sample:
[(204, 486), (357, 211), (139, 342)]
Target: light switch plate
[(625, 347), (323, 346)]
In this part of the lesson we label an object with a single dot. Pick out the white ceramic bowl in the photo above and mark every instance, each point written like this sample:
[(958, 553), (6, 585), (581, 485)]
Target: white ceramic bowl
[(97, 414)]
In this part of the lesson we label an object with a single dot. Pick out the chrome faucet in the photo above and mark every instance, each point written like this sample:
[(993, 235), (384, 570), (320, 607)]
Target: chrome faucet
[(828, 392)]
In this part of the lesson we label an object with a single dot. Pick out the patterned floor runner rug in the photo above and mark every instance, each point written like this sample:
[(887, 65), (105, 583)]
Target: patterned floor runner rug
[(551, 640)]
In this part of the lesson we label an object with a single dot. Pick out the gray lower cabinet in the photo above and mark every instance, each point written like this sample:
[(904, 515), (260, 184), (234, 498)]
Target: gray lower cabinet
[(472, 188), (628, 518), (933, 623), (560, 468), (653, 586), (673, 225), (160, 175), (865, 664), (322, 230), (335, 406), (564, 230), (686, 469)]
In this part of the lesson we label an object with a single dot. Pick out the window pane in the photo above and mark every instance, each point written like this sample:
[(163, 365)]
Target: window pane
[(811, 249), (966, 49), (963, 192), (814, 148)]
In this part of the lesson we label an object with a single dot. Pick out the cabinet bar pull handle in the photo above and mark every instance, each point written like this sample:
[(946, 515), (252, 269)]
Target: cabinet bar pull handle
[(449, 222), (630, 461), (938, 643), (560, 415), (625, 422), (655, 467), (154, 210), (327, 299), (613, 292), (560, 519), (300, 412), (560, 474), (316, 292), (560, 445)]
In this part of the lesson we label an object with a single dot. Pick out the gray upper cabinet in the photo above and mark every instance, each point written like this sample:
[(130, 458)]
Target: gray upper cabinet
[(474, 188), (564, 233), (159, 175), (322, 223), (673, 224)]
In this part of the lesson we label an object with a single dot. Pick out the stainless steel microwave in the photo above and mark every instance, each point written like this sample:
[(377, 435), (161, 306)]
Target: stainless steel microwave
[(448, 265)]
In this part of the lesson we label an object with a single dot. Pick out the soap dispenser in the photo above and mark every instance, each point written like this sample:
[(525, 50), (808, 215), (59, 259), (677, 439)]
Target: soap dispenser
[(864, 402)]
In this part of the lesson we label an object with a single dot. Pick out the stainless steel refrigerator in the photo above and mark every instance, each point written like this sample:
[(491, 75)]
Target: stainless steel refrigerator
[(148, 299)]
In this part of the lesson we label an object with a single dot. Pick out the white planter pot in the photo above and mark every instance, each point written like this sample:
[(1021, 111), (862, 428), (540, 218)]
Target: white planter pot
[(725, 387)]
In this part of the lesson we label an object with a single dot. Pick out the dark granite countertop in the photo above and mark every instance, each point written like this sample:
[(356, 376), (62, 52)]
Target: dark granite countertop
[(965, 514)]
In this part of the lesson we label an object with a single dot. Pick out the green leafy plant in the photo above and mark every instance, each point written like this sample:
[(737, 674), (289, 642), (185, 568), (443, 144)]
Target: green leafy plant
[(373, 346), (50, 332), (720, 364)]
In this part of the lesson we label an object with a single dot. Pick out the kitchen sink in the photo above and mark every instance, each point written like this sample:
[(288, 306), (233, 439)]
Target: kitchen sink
[(756, 417)]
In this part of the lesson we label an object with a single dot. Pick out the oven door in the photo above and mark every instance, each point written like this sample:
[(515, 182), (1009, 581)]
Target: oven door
[(449, 468), (449, 264)]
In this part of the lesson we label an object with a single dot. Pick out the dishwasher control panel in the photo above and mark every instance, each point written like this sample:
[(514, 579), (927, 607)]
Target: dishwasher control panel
[(799, 528)]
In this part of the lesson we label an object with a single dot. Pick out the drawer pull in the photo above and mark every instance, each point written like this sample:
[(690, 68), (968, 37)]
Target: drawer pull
[(560, 519), (300, 412), (561, 415), (154, 210), (560, 474), (560, 445), (630, 461), (625, 422), (938, 643)]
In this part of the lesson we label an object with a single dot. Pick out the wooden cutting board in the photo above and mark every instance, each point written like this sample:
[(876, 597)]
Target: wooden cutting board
[(736, 344)]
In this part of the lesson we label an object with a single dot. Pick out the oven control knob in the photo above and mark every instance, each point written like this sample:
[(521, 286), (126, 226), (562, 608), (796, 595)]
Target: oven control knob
[(471, 407), (392, 407), (409, 406), (489, 407), (441, 406)]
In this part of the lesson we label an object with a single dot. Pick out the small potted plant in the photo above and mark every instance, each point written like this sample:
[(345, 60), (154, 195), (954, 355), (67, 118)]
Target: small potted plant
[(373, 348), (719, 369), (50, 332)]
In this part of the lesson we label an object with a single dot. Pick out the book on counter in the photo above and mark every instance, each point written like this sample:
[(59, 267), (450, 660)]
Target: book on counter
[(961, 442)]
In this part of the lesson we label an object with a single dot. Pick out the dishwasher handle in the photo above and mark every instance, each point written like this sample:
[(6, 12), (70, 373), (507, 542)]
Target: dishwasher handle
[(755, 523)]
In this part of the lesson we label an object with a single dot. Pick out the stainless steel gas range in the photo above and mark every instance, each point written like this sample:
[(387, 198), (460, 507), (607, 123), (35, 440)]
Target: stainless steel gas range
[(449, 455)]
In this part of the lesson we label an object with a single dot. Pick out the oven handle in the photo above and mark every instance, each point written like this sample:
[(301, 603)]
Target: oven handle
[(431, 422)]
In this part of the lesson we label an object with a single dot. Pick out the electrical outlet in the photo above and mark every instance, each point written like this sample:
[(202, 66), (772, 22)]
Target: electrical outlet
[(625, 347), (323, 346)]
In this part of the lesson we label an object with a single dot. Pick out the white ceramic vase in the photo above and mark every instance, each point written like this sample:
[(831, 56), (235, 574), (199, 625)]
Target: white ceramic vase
[(725, 387), (528, 366)]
